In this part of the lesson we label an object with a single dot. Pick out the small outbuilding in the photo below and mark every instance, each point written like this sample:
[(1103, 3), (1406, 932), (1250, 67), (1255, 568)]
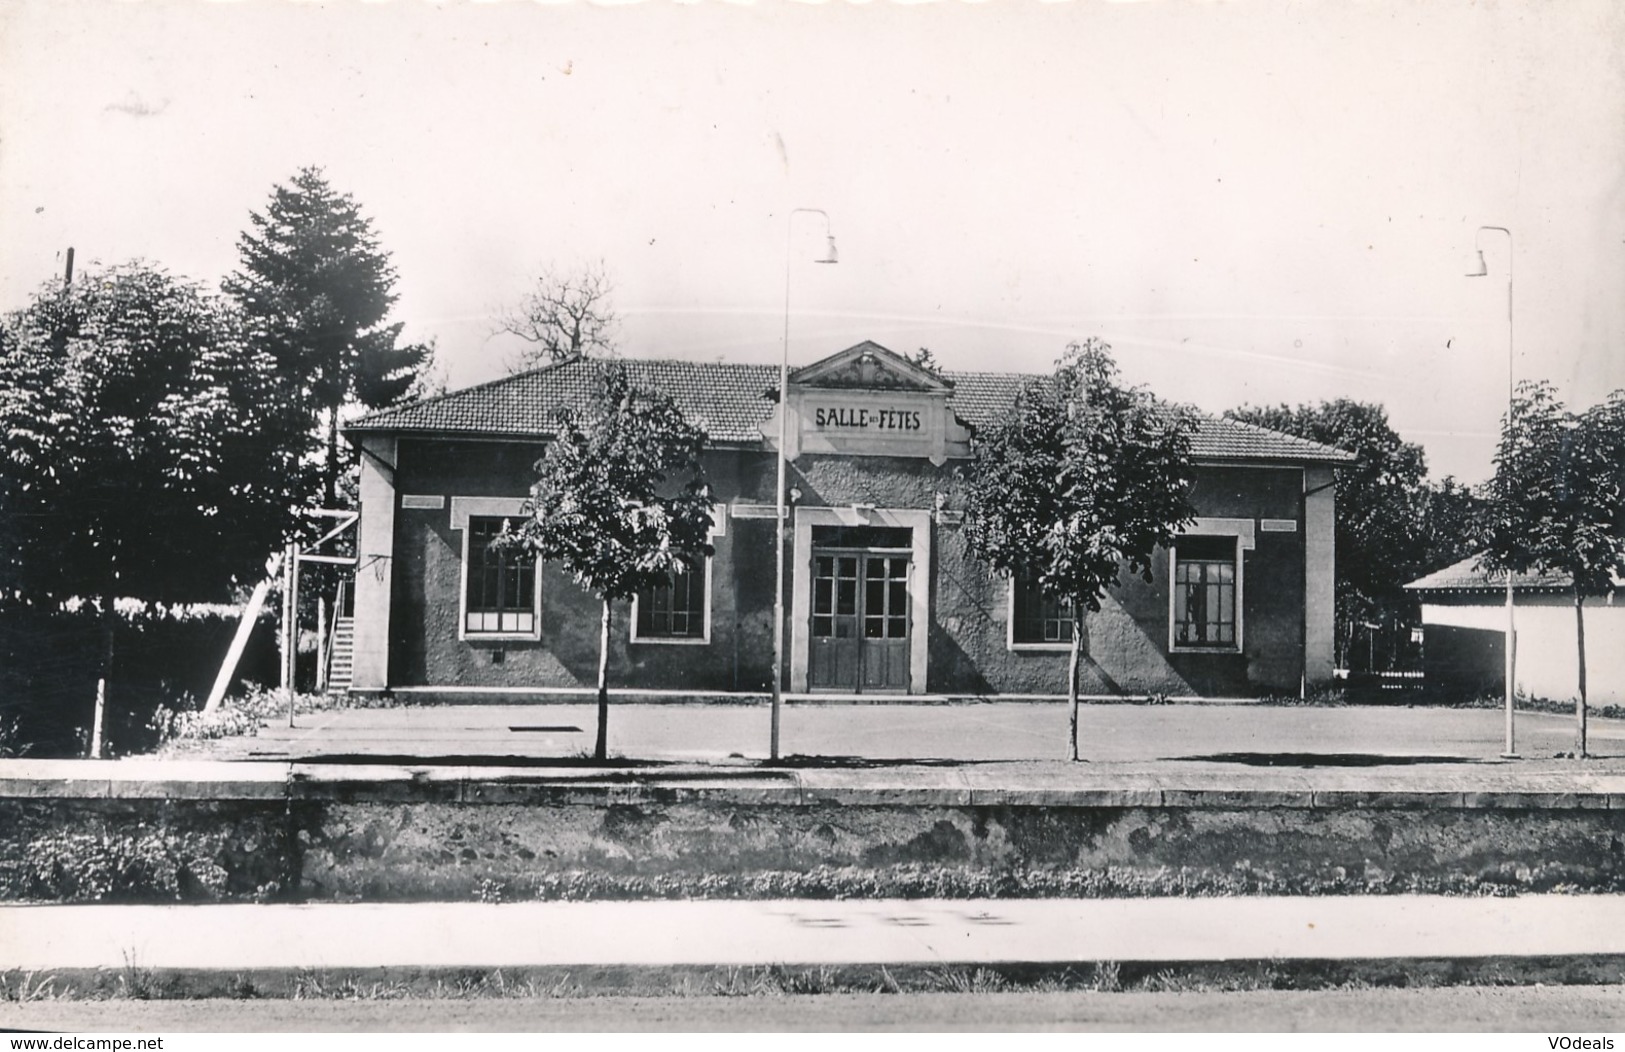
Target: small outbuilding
[(1464, 625)]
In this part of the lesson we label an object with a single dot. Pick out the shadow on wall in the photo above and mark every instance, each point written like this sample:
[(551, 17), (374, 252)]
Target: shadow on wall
[(1467, 661), (950, 670), (1135, 661)]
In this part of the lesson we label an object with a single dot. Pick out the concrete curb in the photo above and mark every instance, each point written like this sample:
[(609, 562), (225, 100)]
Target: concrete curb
[(1463, 787)]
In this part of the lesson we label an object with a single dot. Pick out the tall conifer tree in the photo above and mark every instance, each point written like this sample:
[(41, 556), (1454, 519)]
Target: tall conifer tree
[(317, 290)]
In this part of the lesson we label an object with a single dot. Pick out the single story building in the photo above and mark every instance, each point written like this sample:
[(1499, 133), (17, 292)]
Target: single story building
[(883, 595), (1464, 635)]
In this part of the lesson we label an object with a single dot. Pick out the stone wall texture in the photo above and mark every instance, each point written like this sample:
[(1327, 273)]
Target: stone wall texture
[(305, 850)]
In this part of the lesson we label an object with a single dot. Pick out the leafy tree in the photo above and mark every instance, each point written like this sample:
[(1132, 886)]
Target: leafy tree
[(1081, 479), (1382, 507), (147, 453), (620, 500), (1456, 524), (562, 316), (1559, 488), (317, 290)]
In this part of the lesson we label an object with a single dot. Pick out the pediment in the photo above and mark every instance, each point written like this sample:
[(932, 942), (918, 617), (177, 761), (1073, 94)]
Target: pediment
[(869, 367)]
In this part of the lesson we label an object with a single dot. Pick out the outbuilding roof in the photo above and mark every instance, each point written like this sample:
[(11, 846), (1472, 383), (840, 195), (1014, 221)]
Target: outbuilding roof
[(1470, 575), (731, 401)]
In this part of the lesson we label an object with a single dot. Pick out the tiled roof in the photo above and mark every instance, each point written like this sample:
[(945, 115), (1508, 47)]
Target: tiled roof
[(731, 400), (1469, 575), (980, 398), (727, 400)]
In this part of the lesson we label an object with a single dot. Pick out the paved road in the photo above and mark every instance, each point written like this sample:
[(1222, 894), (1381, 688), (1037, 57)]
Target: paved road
[(1567, 1010), (976, 731), (34, 938)]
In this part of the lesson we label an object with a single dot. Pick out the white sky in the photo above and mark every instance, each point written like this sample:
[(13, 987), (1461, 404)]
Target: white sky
[(1253, 202)]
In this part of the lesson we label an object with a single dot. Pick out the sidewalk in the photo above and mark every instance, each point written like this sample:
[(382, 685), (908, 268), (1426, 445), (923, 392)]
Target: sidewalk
[(40, 938), (996, 753), (1558, 785), (971, 732)]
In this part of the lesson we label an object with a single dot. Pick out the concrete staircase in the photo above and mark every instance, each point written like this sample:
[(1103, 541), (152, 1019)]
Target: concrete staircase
[(339, 660)]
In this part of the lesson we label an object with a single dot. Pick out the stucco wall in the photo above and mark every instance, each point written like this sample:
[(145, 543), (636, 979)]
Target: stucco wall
[(429, 555), (967, 639), (1126, 642), (1462, 647)]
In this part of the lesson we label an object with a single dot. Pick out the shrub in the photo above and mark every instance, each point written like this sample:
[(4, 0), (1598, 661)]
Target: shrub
[(50, 660), (240, 715), (110, 867)]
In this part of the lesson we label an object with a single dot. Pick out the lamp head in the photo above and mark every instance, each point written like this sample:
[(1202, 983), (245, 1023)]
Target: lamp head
[(829, 250), (1476, 267)]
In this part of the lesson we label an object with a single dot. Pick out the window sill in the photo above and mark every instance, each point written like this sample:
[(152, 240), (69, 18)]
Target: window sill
[(671, 641), (1226, 649), (1041, 648), (500, 637)]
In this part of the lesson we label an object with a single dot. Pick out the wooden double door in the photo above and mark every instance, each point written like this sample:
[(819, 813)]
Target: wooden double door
[(860, 621)]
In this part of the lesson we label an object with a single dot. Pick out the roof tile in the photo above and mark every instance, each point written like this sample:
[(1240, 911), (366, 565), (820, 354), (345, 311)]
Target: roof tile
[(1469, 575), (731, 400)]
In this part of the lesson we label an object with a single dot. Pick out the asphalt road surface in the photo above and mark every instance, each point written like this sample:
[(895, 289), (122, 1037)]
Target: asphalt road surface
[(1560, 1009)]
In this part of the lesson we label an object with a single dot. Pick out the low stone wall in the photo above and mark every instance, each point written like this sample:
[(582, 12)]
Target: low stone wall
[(620, 843)]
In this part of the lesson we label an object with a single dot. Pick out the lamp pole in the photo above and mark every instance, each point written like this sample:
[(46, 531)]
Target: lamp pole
[(781, 515), (1481, 269)]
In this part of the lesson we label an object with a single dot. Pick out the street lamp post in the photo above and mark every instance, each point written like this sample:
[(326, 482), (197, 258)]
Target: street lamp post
[(1480, 269), (781, 516)]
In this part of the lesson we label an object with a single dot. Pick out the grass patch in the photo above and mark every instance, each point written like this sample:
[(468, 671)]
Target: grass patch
[(23, 987), (136, 983), (782, 980), (965, 981)]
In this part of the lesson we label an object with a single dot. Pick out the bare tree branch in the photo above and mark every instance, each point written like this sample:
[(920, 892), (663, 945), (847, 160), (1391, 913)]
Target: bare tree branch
[(562, 316)]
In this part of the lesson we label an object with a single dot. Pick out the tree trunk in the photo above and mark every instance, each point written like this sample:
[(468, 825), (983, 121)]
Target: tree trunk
[(1072, 689), (601, 750), (1580, 702), (330, 484), (99, 720)]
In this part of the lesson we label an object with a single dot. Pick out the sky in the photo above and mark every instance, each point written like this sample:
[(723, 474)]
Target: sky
[(1253, 202)]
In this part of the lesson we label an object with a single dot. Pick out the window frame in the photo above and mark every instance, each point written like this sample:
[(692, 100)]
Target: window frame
[(1031, 646), (703, 639), (464, 633), (1238, 562)]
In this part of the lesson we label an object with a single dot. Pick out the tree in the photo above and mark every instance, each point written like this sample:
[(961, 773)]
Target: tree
[(562, 316), (1456, 524), (926, 360), (148, 453), (317, 290), (1382, 506), (620, 500), (1559, 488), (1083, 478)]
